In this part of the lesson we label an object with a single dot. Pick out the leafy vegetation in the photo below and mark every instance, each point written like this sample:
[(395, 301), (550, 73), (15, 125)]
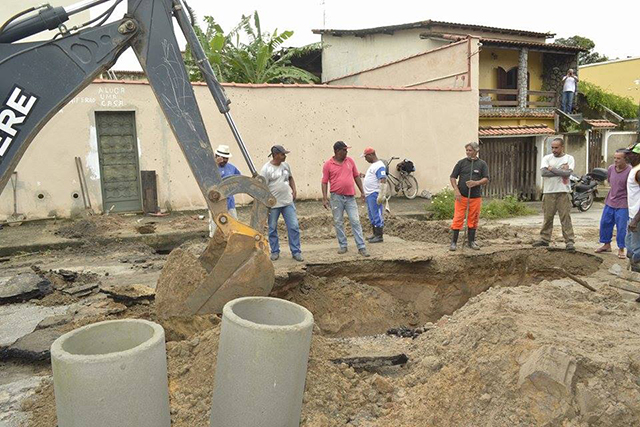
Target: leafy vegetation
[(442, 206), (261, 59), (508, 207), (597, 97), (588, 57)]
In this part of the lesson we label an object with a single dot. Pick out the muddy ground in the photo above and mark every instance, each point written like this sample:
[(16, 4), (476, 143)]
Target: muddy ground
[(503, 336)]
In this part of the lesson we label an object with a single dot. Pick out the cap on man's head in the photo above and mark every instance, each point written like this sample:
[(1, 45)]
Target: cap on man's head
[(339, 145), (635, 148), (223, 151), (368, 150), (278, 149)]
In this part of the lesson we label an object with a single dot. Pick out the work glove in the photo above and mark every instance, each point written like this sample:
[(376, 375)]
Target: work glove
[(382, 194)]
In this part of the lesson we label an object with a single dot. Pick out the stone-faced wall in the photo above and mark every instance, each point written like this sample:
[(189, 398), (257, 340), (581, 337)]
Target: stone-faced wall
[(554, 68)]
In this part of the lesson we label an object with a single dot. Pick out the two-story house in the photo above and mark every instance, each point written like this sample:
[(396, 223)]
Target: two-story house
[(518, 81)]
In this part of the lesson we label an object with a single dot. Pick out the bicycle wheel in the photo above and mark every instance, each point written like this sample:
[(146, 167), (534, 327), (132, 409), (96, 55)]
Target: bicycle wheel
[(390, 189), (409, 186)]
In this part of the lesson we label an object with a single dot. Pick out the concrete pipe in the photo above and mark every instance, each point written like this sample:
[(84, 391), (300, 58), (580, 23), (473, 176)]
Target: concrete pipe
[(111, 374), (262, 363)]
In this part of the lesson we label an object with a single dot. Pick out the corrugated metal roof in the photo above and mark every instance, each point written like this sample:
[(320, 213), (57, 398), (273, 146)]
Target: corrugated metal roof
[(515, 130), (427, 24)]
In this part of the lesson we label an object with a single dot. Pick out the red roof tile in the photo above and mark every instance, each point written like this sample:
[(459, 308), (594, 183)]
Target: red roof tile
[(601, 124), (544, 114), (515, 130)]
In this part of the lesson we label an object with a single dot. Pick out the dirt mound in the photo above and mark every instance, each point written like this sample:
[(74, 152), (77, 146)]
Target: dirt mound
[(438, 232), (551, 354), (90, 227), (347, 308)]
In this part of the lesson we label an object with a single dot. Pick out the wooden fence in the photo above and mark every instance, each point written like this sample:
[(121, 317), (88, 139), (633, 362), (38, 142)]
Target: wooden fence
[(512, 167)]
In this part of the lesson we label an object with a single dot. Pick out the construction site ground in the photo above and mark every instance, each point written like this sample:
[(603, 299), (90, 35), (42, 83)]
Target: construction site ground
[(505, 336)]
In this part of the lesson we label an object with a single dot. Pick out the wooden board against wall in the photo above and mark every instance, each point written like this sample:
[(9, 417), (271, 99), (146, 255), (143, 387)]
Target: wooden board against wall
[(149, 191)]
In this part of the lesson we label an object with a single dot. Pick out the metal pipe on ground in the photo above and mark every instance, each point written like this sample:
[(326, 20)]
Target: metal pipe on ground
[(111, 374), (261, 363)]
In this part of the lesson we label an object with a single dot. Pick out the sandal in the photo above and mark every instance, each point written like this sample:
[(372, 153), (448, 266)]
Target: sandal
[(602, 249), (621, 255)]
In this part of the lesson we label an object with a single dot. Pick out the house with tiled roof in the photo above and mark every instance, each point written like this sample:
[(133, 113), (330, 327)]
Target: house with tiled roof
[(518, 81)]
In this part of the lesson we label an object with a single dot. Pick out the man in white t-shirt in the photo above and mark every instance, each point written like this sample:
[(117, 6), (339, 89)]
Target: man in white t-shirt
[(375, 191), (281, 184), (556, 170), (569, 88)]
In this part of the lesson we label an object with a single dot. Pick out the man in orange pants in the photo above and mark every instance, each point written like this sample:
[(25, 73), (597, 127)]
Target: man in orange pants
[(471, 173)]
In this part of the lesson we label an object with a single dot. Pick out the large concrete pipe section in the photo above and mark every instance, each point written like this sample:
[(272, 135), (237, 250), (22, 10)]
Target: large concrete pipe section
[(262, 363), (111, 374)]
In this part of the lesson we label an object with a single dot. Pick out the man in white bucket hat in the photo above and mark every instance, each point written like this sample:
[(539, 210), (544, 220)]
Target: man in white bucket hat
[(226, 169)]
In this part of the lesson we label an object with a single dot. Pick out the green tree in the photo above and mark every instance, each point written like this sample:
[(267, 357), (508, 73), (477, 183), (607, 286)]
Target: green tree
[(261, 59), (588, 57)]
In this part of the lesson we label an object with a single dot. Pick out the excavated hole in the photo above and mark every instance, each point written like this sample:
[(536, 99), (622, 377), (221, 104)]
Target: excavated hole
[(368, 297)]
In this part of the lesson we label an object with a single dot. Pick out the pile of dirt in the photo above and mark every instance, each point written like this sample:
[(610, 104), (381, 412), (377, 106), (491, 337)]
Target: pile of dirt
[(551, 354), (346, 308), (93, 226), (437, 232), (547, 354)]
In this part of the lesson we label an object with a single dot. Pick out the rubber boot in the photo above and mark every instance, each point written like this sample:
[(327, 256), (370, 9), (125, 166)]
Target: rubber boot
[(377, 238), (454, 240), (374, 234), (472, 239)]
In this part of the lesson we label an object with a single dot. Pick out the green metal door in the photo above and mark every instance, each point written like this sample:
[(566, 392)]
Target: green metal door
[(118, 153)]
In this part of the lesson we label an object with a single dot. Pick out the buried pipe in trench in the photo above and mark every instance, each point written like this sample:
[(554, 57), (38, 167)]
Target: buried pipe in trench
[(261, 363), (111, 374)]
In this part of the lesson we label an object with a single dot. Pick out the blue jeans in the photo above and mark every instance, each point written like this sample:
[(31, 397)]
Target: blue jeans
[(339, 204), (375, 210), (610, 217), (567, 102), (632, 241), (293, 229)]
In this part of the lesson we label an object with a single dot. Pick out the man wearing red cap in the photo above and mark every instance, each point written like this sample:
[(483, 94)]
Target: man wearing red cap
[(340, 172), (375, 190)]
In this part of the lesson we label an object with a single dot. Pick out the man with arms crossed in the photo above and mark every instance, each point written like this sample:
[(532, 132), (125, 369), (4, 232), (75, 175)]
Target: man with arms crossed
[(226, 169), (556, 170)]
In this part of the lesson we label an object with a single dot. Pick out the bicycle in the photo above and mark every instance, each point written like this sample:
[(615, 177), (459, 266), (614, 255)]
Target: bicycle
[(406, 182)]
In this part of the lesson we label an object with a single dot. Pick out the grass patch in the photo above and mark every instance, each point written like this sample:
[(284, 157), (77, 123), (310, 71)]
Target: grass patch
[(442, 207)]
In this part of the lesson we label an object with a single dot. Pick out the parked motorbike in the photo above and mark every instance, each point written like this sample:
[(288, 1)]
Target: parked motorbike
[(584, 189)]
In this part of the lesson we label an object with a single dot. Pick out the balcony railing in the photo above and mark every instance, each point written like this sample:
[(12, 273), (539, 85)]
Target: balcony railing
[(487, 102)]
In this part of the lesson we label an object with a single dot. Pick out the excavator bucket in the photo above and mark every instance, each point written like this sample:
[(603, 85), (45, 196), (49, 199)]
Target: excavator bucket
[(234, 264)]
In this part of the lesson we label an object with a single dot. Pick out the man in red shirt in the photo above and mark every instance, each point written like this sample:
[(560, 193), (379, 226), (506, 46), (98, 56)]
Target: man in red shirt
[(338, 175)]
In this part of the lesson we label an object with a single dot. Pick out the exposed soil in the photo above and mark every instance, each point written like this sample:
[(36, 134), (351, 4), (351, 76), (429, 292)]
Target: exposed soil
[(464, 370), (321, 227), (477, 320)]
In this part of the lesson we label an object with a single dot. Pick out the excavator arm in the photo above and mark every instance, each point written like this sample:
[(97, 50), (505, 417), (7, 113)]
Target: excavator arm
[(39, 78)]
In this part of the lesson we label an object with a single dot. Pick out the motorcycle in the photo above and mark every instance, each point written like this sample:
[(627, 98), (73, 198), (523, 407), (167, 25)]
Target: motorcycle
[(584, 189)]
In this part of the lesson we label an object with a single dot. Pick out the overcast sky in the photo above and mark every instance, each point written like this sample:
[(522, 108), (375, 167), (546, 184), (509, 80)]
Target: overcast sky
[(613, 25)]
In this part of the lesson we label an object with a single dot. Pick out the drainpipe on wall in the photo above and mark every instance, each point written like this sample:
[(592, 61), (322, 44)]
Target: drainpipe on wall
[(523, 66)]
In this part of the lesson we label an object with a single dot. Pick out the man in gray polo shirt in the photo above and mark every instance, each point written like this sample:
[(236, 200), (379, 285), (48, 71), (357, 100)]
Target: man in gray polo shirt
[(283, 187)]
